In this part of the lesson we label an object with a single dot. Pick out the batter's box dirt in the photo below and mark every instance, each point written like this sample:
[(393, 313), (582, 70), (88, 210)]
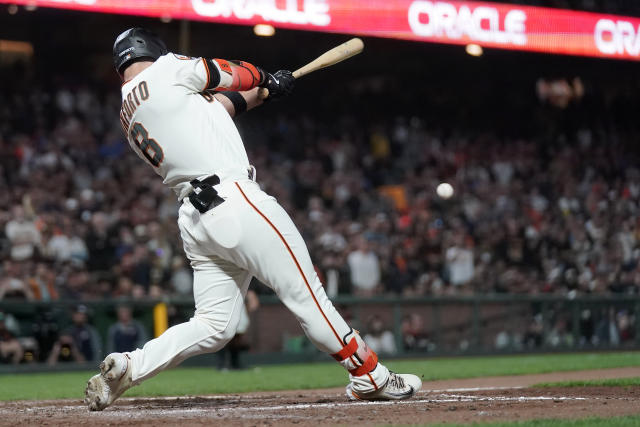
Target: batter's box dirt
[(459, 401)]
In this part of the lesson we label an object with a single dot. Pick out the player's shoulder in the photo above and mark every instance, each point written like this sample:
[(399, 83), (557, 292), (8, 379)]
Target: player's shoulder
[(179, 60), (181, 57), (175, 61), (170, 60)]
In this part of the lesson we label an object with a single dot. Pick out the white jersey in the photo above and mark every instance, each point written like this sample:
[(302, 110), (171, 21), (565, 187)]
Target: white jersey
[(176, 127)]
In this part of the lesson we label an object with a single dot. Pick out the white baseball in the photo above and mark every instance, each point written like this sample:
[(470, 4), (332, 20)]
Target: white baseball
[(444, 190)]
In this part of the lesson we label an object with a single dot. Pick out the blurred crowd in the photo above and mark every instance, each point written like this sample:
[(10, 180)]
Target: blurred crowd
[(54, 336), (81, 217)]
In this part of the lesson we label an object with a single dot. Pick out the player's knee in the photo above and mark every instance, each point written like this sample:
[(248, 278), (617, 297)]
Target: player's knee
[(220, 332), (227, 334)]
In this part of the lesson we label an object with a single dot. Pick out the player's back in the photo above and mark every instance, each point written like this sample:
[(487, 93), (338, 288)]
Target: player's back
[(180, 131)]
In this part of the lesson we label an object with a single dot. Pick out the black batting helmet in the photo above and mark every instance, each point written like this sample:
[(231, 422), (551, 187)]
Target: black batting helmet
[(136, 44)]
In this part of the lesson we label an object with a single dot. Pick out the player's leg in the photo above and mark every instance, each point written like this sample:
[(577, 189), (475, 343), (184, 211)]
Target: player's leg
[(219, 288), (274, 251)]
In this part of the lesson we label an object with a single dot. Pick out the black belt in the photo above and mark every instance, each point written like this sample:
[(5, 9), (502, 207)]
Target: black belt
[(211, 180), (204, 196)]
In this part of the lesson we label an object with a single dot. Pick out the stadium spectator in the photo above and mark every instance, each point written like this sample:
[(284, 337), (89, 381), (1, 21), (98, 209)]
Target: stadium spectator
[(414, 337), (533, 338), (126, 334), (64, 350), (364, 266), (560, 335), (24, 237), (560, 92), (85, 336), (81, 342), (459, 261), (509, 338), (65, 243), (10, 349), (13, 284), (625, 326), (46, 332), (76, 283), (42, 283), (378, 338), (607, 332), (101, 242)]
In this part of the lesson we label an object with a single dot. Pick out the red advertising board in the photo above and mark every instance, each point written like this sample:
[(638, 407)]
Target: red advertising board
[(457, 22)]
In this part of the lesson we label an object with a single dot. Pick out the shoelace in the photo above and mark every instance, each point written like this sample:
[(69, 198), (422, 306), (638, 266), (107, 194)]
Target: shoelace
[(396, 380)]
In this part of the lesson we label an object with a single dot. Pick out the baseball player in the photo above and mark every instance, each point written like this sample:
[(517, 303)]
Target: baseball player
[(231, 229)]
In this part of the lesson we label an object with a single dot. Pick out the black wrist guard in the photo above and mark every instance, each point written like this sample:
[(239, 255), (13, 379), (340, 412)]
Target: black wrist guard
[(238, 101)]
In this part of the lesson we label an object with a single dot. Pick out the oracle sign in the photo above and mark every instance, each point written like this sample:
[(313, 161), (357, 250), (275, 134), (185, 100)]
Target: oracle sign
[(313, 12), (478, 24), (499, 25), (617, 37)]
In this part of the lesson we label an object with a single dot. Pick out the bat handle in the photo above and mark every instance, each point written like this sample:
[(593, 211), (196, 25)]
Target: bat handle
[(263, 93)]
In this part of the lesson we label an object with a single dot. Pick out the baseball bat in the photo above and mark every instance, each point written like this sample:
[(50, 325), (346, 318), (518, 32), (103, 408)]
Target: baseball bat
[(332, 56)]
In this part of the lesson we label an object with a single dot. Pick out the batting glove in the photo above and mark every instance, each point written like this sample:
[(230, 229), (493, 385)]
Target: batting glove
[(279, 84)]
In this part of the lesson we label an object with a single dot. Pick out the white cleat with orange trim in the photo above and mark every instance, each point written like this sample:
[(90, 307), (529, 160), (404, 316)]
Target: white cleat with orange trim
[(113, 380), (398, 387)]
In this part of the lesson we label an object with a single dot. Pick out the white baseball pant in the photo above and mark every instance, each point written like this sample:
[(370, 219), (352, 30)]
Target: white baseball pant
[(250, 234)]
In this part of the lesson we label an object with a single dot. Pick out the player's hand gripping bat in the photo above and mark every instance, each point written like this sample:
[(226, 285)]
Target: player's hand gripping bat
[(333, 56)]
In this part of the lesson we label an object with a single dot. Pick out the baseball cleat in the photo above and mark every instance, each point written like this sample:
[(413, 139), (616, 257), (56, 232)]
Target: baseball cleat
[(398, 387), (113, 380)]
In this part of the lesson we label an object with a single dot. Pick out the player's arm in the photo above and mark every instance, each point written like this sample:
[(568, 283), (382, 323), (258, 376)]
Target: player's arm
[(234, 75), (241, 76), (237, 83), (237, 103)]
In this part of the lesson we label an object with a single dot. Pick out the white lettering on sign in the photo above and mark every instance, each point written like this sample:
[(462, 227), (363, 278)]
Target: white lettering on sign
[(482, 23), (617, 37), (84, 2), (314, 12)]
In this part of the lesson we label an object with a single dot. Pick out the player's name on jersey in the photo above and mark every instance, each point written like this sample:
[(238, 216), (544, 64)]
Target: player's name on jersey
[(130, 103)]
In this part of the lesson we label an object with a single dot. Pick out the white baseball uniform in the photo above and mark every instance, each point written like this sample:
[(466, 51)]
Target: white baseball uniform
[(184, 135)]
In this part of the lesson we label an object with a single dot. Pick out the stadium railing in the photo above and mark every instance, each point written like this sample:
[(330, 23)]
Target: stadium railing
[(420, 326)]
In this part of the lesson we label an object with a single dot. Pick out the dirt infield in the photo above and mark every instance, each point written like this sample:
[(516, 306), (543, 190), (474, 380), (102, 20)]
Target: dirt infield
[(481, 399)]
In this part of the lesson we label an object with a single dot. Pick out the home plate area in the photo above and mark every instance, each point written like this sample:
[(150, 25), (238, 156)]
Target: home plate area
[(330, 407)]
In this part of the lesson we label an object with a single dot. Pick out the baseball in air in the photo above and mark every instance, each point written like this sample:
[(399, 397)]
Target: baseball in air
[(444, 190)]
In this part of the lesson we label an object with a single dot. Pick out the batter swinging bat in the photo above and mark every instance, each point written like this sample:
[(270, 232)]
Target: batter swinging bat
[(333, 56)]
